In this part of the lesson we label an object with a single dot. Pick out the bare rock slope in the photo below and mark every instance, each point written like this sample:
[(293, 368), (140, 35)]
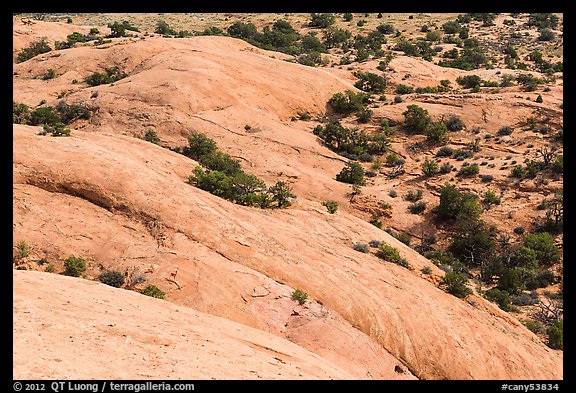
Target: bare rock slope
[(88, 330)]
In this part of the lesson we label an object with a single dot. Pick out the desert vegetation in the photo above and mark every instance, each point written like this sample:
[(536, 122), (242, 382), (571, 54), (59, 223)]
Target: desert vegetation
[(222, 175)]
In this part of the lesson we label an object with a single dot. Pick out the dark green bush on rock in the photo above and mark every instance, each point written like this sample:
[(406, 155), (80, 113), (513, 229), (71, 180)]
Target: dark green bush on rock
[(153, 291), (74, 266), (370, 82), (556, 335), (547, 253), (113, 278), (299, 296), (352, 173), (455, 284), (34, 49), (388, 252), (416, 119), (455, 204), (347, 102), (199, 145), (500, 297), (331, 206)]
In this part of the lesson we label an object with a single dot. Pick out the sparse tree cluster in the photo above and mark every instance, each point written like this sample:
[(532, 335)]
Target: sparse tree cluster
[(225, 178)]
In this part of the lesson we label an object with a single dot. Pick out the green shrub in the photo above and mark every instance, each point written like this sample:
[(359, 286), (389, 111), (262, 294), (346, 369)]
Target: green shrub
[(404, 263), (375, 220), (558, 164), (97, 78), (226, 179), (153, 291), (434, 35), (215, 182), (454, 204), (454, 123), (469, 170), (347, 102), (240, 188), (331, 206), (505, 130), (281, 193), (117, 30), (500, 297), (511, 280), (352, 173), (451, 27), (385, 28), (57, 130), (50, 268), (322, 20), (547, 252), (299, 296), (351, 143), (518, 171), (444, 151), (546, 35), (50, 74), (404, 237), (370, 82), (416, 119), (404, 89), (150, 136), (74, 266), (491, 198), (246, 31), (34, 49), (430, 168), (473, 241), (528, 81), (335, 37), (199, 145), (75, 37), (413, 196), (23, 249), (389, 253), (391, 159), (44, 115), (20, 113), (113, 278), (455, 284), (438, 133), (70, 112), (163, 28), (445, 168), (469, 81), (222, 162), (364, 115), (534, 326), (556, 335), (543, 20), (417, 207)]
